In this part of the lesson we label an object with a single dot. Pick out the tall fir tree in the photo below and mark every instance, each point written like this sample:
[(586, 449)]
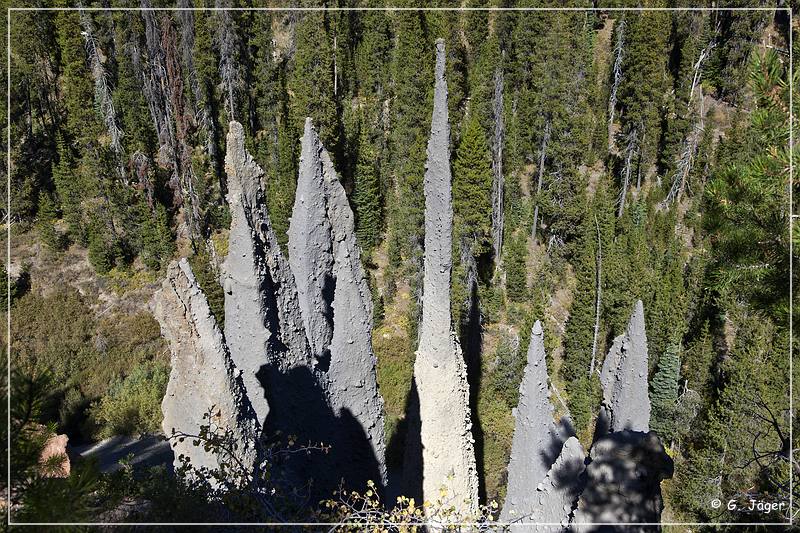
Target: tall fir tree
[(472, 188), (664, 394), (367, 195)]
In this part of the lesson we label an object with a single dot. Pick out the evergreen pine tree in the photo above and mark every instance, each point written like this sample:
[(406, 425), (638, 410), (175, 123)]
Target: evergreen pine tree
[(367, 196), (81, 121), (412, 74), (644, 85), (516, 273), (698, 361), (70, 192), (311, 82), (47, 216), (664, 393), (157, 244), (579, 332), (472, 188)]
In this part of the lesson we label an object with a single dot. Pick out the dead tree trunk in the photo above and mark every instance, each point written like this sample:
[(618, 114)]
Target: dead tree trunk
[(229, 71), (201, 105), (183, 153), (542, 155), (163, 90), (597, 304), (498, 185), (698, 66), (631, 148), (335, 68), (690, 145), (102, 91), (686, 161), (612, 99)]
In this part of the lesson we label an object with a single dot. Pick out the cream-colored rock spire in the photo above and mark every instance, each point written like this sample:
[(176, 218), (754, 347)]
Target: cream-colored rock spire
[(448, 455)]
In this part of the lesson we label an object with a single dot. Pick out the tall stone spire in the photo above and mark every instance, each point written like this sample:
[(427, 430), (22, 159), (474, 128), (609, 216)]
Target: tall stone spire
[(246, 273), (311, 247), (627, 464), (626, 402), (537, 440), (336, 304), (448, 455), (203, 379), (353, 385)]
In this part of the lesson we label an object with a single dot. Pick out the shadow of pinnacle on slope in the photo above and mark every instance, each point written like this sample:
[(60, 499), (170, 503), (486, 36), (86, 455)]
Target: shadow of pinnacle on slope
[(623, 480), (407, 443), (471, 338), (299, 409)]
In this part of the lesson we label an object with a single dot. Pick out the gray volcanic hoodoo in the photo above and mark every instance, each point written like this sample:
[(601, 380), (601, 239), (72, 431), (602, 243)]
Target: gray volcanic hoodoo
[(353, 377), (537, 440), (246, 274), (311, 247), (448, 456), (203, 378), (554, 499), (336, 295), (627, 463), (626, 402)]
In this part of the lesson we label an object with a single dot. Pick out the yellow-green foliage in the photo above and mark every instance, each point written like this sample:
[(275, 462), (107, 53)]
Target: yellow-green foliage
[(497, 424), (122, 280), (133, 404), (220, 240), (125, 342), (395, 371), (59, 333), (366, 512), (52, 332)]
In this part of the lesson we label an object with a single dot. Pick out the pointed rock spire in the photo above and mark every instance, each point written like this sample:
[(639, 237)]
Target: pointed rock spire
[(626, 401), (258, 276), (246, 274), (448, 456), (203, 378), (353, 385), (311, 246), (627, 463), (537, 440)]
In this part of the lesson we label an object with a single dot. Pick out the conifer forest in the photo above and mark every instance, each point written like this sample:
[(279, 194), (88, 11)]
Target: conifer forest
[(445, 267)]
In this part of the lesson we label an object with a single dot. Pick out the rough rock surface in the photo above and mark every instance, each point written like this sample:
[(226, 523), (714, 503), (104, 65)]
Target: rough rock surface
[(537, 440), (311, 247), (623, 482), (246, 274), (327, 393), (353, 385), (626, 402), (448, 456), (554, 499), (56, 446), (203, 378), (556, 496)]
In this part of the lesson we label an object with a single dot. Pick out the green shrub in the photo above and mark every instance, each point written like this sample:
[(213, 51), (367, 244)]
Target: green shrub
[(507, 374), (584, 400), (53, 333), (133, 405)]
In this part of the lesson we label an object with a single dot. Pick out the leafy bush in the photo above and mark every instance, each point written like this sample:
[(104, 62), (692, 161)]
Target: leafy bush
[(133, 405), (507, 374), (52, 332)]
